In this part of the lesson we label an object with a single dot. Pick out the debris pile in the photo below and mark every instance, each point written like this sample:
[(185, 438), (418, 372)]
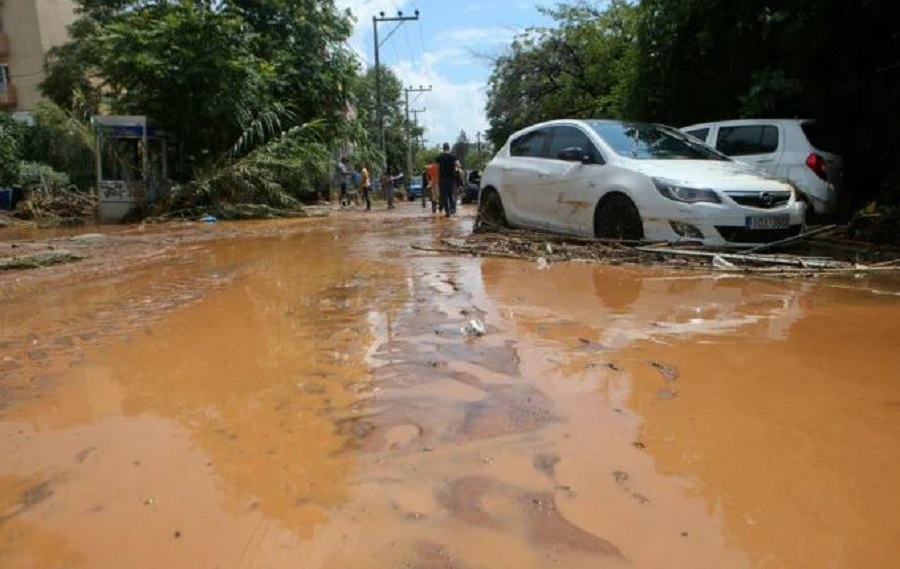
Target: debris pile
[(59, 203), (794, 259)]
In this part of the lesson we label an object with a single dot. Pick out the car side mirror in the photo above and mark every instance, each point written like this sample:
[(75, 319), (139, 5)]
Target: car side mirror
[(575, 154)]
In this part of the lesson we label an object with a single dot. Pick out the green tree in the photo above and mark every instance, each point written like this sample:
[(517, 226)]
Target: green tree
[(461, 146), (395, 123), (207, 71), (581, 67), (832, 60), (63, 139), (10, 149)]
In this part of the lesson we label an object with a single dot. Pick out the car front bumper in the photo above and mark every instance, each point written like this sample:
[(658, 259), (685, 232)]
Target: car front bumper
[(726, 226)]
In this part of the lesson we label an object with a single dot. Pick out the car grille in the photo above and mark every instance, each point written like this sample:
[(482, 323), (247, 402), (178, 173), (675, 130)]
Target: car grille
[(734, 234), (763, 200)]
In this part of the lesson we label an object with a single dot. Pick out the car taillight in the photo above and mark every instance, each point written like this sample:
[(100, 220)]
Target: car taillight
[(817, 164)]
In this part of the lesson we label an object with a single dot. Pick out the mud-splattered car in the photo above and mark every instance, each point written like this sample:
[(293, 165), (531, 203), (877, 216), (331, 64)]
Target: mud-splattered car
[(628, 180)]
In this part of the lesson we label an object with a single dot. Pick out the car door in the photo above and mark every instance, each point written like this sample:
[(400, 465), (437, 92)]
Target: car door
[(759, 144), (566, 196), (522, 173)]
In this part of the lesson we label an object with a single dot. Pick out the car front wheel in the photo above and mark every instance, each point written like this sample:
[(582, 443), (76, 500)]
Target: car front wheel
[(617, 217), (490, 210)]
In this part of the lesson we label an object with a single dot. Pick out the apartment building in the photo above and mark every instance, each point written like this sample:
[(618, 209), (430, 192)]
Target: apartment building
[(28, 29)]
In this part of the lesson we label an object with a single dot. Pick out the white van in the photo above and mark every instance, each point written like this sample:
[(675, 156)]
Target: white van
[(792, 149)]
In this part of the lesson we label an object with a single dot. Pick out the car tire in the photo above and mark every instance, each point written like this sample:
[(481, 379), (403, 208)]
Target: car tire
[(617, 217), (490, 210)]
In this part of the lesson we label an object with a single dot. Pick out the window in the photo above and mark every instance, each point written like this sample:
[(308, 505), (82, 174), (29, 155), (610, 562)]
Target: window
[(571, 137), (644, 141), (4, 78), (749, 139), (699, 133), (530, 144), (819, 138)]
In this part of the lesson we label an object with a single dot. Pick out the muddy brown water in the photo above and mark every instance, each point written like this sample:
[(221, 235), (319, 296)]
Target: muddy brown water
[(301, 395)]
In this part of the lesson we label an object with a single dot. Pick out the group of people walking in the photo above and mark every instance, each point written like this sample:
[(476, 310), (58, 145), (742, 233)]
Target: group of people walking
[(443, 178), (364, 182)]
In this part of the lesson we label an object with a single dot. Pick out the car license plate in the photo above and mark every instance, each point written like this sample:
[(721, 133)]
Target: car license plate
[(768, 222)]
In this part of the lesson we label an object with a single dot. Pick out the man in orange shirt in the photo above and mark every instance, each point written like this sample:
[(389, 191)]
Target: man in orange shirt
[(432, 172)]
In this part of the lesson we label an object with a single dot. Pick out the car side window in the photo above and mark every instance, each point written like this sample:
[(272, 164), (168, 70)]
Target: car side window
[(569, 137), (699, 133), (531, 144), (747, 139)]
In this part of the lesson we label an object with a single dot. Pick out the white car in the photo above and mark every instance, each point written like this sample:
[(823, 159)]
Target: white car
[(789, 148), (623, 180)]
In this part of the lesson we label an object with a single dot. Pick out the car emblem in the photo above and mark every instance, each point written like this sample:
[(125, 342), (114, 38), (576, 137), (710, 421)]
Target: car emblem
[(767, 199)]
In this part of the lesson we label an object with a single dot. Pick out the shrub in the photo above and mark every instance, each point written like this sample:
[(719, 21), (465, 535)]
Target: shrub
[(38, 176)]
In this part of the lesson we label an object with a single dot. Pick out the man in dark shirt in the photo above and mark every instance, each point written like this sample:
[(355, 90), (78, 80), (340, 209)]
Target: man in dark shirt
[(447, 166)]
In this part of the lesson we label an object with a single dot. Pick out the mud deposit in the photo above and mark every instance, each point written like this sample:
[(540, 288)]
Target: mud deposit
[(303, 394)]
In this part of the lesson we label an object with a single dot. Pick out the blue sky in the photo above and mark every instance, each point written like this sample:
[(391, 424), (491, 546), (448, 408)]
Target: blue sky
[(448, 48)]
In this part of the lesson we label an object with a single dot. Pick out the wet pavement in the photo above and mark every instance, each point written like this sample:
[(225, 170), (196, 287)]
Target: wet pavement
[(302, 394)]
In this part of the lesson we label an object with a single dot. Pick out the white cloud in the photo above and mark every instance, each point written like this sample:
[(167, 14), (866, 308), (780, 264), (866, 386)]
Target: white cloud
[(475, 37), (363, 10), (452, 104), (450, 107)]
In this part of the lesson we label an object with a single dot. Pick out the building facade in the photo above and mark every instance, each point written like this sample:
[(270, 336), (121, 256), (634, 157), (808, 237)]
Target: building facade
[(28, 30)]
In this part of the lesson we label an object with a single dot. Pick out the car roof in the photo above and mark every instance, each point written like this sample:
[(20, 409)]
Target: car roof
[(585, 122), (744, 122)]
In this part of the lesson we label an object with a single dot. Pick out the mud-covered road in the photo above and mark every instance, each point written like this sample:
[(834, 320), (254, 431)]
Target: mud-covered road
[(301, 394)]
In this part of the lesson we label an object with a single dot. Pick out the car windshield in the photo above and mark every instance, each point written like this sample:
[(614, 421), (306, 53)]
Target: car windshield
[(652, 142)]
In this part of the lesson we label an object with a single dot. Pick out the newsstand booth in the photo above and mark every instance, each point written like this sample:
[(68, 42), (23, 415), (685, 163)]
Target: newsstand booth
[(132, 165)]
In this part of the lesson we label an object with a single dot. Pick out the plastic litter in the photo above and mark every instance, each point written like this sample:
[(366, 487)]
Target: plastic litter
[(474, 327), (208, 219), (720, 263), (542, 263)]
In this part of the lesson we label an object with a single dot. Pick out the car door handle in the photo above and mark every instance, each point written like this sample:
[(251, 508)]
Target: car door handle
[(765, 161)]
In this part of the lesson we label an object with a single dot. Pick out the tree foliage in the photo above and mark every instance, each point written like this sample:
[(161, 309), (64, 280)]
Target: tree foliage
[(579, 68), (685, 61), (10, 149), (461, 146), (63, 140), (832, 60), (395, 120), (207, 71)]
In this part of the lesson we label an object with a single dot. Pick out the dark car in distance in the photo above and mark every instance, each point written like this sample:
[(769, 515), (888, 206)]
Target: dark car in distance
[(415, 188), (472, 187)]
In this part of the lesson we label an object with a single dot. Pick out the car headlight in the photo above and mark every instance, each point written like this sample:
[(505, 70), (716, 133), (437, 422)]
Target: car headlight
[(686, 194)]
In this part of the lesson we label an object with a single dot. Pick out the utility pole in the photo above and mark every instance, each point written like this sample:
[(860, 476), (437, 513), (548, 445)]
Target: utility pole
[(399, 18), (415, 122), (407, 91)]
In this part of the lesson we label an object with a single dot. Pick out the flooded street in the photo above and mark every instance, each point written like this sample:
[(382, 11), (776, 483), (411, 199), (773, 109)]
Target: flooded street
[(301, 393)]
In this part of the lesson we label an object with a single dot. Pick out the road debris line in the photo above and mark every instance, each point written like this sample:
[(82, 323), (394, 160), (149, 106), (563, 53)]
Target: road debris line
[(43, 259), (545, 249)]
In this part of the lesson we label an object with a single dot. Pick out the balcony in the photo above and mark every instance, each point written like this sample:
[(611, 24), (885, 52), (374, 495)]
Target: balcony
[(7, 95)]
